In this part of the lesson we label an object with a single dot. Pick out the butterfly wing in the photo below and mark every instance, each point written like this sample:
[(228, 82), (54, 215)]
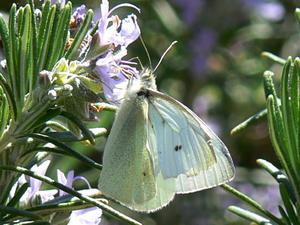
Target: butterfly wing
[(184, 148), (128, 175)]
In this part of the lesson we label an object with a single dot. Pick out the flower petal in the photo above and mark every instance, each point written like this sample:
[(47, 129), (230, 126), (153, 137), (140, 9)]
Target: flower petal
[(130, 30), (88, 216)]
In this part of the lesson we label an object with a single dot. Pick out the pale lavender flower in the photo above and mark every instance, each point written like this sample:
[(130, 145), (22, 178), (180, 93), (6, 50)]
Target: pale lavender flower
[(69, 180), (114, 35), (33, 190), (270, 10), (79, 14), (116, 32), (88, 216), (60, 2), (115, 74)]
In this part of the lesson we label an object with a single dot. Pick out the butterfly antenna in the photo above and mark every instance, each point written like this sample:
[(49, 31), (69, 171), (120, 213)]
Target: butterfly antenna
[(139, 61), (147, 53), (163, 55)]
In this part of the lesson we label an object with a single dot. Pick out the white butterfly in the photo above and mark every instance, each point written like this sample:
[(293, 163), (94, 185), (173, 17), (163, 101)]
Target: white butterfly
[(158, 148)]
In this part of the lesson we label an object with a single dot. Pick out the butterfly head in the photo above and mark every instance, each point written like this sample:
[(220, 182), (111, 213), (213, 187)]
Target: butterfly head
[(148, 79)]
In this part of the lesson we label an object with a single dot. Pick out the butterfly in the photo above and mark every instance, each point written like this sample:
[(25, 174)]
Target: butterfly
[(157, 148)]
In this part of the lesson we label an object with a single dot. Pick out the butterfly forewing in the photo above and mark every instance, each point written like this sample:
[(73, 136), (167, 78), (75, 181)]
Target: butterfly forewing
[(127, 174)]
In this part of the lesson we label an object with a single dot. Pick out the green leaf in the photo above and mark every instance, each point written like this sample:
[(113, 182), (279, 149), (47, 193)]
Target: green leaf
[(34, 223), (62, 146), (70, 152), (289, 122), (277, 138), (34, 46), (80, 35), (4, 33), (70, 191), (7, 189), (12, 58), (279, 176), (43, 22), (70, 137), (295, 102), (285, 217), (19, 212), (59, 36), (28, 120), (45, 33), (61, 206), (250, 121), (9, 96), (91, 84), (249, 215), (273, 57), (46, 116), (4, 113), (17, 196), (25, 56), (288, 205), (85, 131), (252, 203)]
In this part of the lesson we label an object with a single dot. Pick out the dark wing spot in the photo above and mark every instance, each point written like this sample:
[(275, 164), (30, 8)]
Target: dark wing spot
[(144, 174), (178, 147)]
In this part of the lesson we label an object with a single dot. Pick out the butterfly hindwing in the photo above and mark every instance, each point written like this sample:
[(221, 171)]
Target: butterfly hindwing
[(187, 150)]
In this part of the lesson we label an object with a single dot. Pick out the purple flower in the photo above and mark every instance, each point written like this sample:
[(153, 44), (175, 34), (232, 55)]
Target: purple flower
[(88, 216), (269, 10), (61, 3), (33, 192), (115, 74), (114, 36), (79, 14), (113, 31), (69, 180)]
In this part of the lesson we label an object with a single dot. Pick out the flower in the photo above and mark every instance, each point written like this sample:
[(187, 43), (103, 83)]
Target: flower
[(61, 3), (33, 192), (115, 74), (272, 11), (115, 32), (69, 180), (109, 46), (79, 14), (88, 216)]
